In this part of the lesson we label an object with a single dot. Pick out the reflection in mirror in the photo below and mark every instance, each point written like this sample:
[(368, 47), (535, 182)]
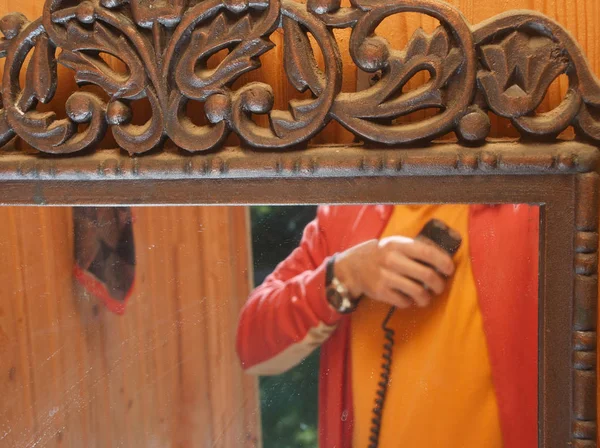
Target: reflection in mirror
[(298, 326)]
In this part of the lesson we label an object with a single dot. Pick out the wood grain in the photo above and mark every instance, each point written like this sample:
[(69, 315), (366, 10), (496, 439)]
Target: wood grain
[(164, 374)]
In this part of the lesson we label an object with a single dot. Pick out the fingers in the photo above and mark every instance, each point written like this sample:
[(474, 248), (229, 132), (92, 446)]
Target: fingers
[(422, 251), (406, 289), (400, 264), (394, 298), (409, 272)]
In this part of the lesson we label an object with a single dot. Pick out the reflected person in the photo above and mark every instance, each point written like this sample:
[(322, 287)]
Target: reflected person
[(464, 358)]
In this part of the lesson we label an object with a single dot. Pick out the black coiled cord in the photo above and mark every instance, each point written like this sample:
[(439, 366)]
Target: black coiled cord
[(386, 368), (447, 239)]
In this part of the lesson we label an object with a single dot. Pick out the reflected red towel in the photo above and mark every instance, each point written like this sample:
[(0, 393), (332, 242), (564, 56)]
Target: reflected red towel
[(105, 253)]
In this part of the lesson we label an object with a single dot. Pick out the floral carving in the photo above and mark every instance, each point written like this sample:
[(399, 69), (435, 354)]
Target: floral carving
[(504, 65), (385, 99), (521, 69)]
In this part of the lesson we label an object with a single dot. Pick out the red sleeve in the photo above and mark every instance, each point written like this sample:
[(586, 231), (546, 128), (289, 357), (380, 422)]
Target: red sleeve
[(288, 315)]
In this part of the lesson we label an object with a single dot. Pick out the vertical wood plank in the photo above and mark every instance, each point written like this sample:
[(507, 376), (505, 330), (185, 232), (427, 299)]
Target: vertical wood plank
[(163, 374), (241, 259), (17, 412)]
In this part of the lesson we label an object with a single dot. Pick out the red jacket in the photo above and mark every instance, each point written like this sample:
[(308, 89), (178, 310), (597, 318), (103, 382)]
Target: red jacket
[(288, 316)]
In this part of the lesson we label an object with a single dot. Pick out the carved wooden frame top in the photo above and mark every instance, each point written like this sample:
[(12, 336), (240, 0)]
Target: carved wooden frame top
[(504, 65)]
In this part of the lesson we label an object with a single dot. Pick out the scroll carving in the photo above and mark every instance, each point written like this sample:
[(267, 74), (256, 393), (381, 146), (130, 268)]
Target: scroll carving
[(504, 65)]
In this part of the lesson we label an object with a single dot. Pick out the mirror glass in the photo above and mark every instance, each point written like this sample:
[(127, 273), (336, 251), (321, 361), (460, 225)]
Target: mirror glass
[(269, 326)]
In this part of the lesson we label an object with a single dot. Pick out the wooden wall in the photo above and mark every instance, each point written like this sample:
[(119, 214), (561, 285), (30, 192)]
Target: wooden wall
[(163, 374)]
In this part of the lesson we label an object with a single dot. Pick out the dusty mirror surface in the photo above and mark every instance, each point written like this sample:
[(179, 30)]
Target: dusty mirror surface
[(141, 326)]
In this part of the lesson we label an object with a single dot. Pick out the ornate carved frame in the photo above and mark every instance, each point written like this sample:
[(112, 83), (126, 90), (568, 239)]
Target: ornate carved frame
[(504, 65)]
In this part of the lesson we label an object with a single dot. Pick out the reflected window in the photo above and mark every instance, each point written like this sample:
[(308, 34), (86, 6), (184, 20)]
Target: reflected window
[(288, 401)]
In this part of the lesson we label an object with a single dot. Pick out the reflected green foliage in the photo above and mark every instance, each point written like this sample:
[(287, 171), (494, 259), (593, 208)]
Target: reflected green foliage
[(289, 406), (288, 401)]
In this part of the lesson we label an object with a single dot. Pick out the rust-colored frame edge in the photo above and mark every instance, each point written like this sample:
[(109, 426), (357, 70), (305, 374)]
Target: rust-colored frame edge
[(585, 311), (239, 165)]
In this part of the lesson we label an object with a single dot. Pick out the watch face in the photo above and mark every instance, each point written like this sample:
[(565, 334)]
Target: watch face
[(334, 298), (341, 304)]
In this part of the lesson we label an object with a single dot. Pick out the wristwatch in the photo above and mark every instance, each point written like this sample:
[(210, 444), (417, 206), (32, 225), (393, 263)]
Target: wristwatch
[(337, 293)]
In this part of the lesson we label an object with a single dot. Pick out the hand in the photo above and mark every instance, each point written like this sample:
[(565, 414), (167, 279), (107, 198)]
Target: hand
[(389, 270)]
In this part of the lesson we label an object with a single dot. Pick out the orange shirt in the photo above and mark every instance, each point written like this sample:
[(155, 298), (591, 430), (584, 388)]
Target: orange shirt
[(440, 392)]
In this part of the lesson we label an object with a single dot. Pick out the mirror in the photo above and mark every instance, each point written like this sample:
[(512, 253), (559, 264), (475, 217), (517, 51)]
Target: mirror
[(141, 326)]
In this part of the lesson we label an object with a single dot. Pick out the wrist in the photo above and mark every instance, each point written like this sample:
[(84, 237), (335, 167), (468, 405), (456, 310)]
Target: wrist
[(343, 272), (337, 293)]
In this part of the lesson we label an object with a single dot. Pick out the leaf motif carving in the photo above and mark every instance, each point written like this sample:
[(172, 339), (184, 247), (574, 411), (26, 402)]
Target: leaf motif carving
[(83, 58), (424, 52), (520, 70), (385, 98), (242, 36), (300, 64), (41, 72), (304, 118)]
